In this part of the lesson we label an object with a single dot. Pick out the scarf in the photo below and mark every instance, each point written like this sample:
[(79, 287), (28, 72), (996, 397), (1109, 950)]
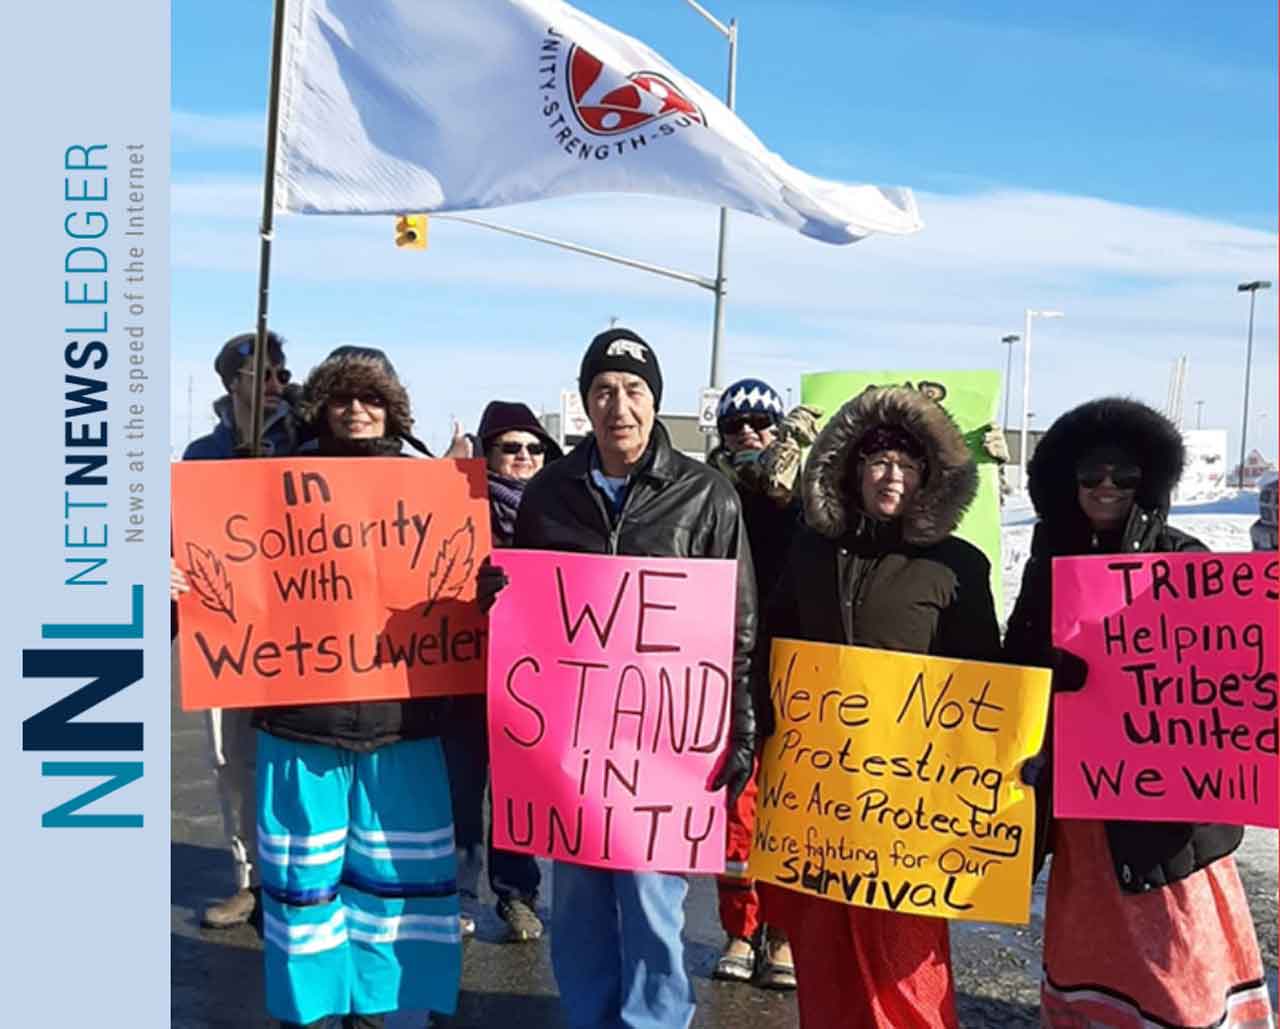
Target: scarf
[(504, 502)]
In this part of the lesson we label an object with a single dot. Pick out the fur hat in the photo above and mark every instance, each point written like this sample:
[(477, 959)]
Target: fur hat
[(353, 370), (1111, 422), (621, 350), (935, 509)]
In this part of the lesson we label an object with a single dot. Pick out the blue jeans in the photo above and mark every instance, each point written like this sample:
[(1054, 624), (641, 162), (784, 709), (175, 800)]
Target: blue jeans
[(616, 948), (466, 752)]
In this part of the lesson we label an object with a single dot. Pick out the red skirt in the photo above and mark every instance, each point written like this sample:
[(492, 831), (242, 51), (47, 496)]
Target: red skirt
[(1181, 956), (860, 968)]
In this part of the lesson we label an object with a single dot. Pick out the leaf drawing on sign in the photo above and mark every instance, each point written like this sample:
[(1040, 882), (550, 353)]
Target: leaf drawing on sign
[(453, 567), (210, 581)]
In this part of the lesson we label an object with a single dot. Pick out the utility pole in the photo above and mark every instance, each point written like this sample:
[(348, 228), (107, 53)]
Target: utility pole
[(1252, 289)]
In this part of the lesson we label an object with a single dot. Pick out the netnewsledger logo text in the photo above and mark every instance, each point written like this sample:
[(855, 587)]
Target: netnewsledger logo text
[(77, 654)]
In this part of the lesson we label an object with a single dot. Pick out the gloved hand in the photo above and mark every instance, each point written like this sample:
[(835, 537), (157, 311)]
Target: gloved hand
[(1032, 769), (779, 464), (800, 426), (736, 772), (995, 445), (740, 758), (491, 580), (1070, 671)]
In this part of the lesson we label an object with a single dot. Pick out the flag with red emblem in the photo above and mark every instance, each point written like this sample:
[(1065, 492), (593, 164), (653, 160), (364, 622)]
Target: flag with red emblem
[(456, 105)]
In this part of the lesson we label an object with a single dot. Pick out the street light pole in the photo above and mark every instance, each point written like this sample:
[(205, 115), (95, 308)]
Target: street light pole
[(1009, 341), (730, 33), (1199, 413), (1252, 289), (1025, 452)]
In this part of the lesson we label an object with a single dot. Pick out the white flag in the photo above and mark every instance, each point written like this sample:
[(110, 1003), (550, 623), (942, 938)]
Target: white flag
[(389, 106)]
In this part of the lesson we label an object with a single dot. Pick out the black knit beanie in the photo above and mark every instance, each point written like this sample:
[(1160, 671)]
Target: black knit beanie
[(621, 350)]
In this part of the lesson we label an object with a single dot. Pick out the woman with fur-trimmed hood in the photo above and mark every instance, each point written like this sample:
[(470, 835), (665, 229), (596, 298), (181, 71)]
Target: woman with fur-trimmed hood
[(883, 489), (1170, 941), (355, 836)]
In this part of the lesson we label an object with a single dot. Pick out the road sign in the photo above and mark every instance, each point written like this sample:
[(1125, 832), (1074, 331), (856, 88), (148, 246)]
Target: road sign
[(573, 417), (708, 404)]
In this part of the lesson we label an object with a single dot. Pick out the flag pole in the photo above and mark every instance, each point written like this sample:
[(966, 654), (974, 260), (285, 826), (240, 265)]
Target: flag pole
[(266, 232)]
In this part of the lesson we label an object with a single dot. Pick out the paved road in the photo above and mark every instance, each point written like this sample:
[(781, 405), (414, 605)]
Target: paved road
[(217, 976)]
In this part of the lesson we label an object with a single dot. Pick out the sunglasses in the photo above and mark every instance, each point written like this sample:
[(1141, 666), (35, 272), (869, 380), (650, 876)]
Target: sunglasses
[(281, 375), (533, 449), (1124, 477), (367, 399), (759, 422)]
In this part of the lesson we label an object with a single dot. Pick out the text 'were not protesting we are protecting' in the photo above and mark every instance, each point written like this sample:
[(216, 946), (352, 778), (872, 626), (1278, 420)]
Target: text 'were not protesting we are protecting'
[(892, 781)]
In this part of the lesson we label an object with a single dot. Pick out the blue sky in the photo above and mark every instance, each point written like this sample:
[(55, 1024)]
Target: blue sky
[(1116, 161)]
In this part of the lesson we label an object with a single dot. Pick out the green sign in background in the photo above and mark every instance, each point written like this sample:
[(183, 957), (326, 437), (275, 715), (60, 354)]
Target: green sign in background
[(971, 400)]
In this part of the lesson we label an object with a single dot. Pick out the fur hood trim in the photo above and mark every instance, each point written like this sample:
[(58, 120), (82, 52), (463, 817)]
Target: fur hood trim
[(951, 478), (356, 372), (1155, 440)]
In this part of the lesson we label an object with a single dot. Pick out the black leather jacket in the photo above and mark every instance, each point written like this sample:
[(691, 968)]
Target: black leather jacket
[(675, 507)]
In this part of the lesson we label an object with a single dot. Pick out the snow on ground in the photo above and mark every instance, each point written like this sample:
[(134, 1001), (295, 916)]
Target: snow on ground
[(1222, 525)]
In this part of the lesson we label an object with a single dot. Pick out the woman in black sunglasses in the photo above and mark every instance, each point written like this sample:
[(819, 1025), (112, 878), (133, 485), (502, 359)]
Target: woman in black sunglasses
[(1169, 939), (355, 822), (515, 448)]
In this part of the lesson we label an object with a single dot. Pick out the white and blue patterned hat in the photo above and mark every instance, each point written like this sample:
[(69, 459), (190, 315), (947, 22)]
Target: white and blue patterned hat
[(749, 396)]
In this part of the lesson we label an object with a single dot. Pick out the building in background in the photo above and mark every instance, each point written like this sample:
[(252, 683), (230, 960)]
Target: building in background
[(1204, 478), (1255, 467)]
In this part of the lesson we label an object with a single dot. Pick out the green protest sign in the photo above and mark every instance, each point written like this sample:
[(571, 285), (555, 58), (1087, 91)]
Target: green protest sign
[(970, 398)]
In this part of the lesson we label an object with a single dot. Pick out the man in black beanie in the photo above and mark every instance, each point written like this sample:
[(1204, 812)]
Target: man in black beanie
[(621, 387), (616, 943)]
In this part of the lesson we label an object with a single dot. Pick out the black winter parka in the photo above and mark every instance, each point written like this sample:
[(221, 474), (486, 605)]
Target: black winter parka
[(905, 584), (1146, 855)]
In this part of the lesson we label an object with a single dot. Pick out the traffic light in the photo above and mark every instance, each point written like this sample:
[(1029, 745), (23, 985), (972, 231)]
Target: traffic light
[(411, 231)]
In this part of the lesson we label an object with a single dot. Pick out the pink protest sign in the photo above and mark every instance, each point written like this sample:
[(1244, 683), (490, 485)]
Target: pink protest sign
[(609, 695), (1177, 719)]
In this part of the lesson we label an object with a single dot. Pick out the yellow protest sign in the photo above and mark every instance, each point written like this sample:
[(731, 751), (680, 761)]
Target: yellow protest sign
[(892, 781)]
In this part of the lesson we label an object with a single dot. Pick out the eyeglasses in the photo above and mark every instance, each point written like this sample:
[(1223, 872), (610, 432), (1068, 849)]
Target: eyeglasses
[(1124, 477), (883, 465), (367, 399), (281, 375), (735, 424), (533, 449)]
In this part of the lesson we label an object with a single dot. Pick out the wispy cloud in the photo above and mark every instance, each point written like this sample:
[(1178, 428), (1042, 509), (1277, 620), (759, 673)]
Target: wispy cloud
[(479, 315)]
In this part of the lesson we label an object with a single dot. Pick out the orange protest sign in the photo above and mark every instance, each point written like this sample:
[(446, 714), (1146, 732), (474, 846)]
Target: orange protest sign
[(328, 579)]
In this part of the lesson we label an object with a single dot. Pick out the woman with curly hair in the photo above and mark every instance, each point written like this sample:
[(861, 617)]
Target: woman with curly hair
[(355, 832)]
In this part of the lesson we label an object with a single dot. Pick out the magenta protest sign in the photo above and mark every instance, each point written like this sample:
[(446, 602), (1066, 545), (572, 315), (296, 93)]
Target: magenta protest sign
[(609, 696), (1177, 719)]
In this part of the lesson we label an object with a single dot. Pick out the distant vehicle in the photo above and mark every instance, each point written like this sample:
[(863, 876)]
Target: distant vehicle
[(1264, 530)]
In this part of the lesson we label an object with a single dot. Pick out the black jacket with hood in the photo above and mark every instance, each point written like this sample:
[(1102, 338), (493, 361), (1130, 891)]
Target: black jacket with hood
[(1146, 855), (357, 725), (905, 584), (674, 507)]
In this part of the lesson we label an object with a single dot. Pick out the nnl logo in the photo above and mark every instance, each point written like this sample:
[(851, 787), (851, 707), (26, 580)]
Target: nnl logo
[(53, 729)]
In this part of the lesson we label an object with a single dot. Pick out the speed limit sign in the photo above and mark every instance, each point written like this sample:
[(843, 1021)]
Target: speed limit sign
[(708, 404)]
